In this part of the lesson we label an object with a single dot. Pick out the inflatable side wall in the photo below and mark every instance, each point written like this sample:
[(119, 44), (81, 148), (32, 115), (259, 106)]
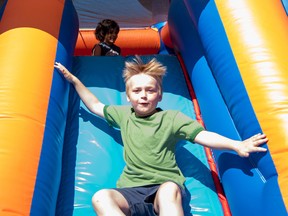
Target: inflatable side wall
[(238, 69), (33, 104)]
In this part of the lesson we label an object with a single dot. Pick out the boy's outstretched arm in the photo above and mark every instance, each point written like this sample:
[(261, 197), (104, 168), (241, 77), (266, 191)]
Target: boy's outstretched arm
[(243, 148), (90, 100)]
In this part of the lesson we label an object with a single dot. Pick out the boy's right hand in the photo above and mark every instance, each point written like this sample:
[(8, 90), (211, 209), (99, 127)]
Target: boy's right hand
[(68, 76)]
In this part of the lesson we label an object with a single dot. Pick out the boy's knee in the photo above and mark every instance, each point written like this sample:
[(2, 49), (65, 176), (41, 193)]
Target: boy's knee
[(171, 186), (100, 196), (109, 202), (170, 190), (168, 199)]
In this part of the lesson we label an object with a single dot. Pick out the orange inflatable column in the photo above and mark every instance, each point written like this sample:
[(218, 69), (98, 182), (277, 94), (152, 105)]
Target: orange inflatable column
[(29, 31)]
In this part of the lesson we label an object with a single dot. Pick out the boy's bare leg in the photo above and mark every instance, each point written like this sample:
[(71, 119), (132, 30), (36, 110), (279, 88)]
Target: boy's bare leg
[(110, 202), (168, 200)]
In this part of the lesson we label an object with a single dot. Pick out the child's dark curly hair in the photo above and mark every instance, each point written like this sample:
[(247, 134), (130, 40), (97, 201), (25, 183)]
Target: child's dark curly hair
[(104, 27)]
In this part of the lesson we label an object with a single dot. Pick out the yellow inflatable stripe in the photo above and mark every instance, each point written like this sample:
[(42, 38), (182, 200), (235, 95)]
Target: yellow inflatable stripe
[(257, 32)]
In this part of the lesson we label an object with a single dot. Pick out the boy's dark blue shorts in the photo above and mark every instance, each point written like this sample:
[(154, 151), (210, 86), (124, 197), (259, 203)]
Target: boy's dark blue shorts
[(141, 199)]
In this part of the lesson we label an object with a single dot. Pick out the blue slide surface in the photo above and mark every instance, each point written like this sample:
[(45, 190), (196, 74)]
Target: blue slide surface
[(99, 148)]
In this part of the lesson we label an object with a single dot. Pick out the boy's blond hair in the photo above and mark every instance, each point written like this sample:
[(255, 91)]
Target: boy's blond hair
[(152, 68)]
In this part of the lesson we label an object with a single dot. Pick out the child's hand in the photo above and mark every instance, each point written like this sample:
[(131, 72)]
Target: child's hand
[(252, 145), (68, 76)]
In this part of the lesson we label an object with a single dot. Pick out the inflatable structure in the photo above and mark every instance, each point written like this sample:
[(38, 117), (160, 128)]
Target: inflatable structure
[(227, 68)]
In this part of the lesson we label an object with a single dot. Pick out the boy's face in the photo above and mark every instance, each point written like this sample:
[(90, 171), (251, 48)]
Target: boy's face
[(144, 94)]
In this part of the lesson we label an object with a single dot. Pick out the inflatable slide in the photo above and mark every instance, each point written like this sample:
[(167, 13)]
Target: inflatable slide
[(227, 68)]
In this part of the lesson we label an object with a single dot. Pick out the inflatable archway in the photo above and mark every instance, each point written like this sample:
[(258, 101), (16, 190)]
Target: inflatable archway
[(237, 69)]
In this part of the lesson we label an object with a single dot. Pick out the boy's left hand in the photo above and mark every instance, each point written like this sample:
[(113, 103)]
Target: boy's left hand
[(252, 145)]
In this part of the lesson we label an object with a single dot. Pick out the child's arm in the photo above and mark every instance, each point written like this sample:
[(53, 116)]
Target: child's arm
[(90, 101), (96, 50), (214, 140)]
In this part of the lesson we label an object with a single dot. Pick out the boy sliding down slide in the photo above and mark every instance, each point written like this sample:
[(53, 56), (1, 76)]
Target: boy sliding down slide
[(151, 182)]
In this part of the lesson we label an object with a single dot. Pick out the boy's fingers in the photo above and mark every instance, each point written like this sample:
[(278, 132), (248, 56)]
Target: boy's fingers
[(259, 149)]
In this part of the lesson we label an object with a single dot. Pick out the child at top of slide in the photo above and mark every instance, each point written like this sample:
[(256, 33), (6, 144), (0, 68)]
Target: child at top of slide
[(106, 32)]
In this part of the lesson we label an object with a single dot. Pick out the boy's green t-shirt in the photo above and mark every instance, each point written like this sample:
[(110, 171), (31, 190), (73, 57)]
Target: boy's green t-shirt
[(149, 144)]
